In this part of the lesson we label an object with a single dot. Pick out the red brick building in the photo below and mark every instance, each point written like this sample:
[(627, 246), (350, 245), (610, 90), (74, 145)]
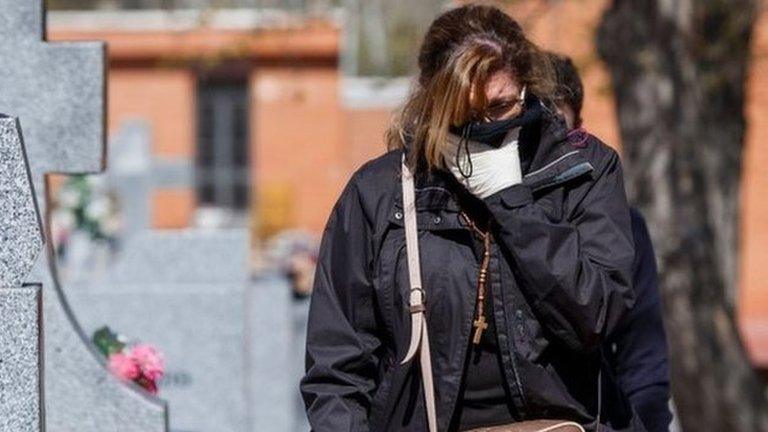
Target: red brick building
[(296, 127)]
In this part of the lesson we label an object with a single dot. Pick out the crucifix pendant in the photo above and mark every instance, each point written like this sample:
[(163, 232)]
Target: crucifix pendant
[(480, 325)]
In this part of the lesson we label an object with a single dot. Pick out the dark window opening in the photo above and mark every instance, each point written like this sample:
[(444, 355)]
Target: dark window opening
[(222, 173)]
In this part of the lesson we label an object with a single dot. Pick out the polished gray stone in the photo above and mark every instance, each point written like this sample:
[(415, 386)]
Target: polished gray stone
[(130, 163), (57, 90), (21, 240)]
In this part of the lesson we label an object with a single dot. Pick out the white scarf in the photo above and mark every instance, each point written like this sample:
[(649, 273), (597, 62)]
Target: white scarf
[(493, 169)]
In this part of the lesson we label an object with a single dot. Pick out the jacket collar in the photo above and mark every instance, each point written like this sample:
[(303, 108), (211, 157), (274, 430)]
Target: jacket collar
[(553, 162)]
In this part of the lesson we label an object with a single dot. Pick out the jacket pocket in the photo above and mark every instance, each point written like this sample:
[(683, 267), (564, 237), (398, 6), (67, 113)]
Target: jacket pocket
[(380, 400)]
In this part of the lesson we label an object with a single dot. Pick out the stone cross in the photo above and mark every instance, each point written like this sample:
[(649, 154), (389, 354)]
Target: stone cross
[(21, 240), (134, 173), (130, 164), (57, 90)]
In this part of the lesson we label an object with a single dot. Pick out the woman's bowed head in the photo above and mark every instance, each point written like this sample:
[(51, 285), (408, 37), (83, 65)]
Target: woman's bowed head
[(476, 66), (524, 241)]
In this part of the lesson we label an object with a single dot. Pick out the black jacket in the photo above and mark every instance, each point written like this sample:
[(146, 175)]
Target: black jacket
[(559, 275)]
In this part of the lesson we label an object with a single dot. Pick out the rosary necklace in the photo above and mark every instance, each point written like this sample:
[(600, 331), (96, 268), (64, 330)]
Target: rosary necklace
[(480, 323)]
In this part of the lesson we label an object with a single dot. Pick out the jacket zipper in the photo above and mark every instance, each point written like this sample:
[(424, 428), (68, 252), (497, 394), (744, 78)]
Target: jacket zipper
[(467, 327), (511, 353)]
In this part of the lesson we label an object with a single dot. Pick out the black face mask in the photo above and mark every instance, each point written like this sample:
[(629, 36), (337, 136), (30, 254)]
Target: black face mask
[(492, 133)]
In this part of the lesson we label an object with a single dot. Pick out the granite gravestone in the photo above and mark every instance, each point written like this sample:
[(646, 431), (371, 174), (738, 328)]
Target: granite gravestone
[(246, 352), (224, 341), (21, 239), (185, 292), (57, 90), (300, 312), (191, 282), (271, 344)]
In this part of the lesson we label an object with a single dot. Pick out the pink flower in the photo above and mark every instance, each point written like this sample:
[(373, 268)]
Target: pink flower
[(124, 367), (149, 360)]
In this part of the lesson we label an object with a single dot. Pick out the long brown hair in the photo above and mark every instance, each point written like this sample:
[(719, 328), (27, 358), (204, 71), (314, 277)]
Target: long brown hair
[(462, 48)]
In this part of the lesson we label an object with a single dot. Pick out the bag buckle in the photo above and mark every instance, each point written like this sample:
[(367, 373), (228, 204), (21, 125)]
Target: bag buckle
[(417, 303)]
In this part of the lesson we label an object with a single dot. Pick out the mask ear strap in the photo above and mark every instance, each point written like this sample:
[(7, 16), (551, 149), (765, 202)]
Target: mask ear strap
[(464, 140)]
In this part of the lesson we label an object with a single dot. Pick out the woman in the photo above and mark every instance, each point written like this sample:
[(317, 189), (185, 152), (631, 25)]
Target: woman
[(525, 245)]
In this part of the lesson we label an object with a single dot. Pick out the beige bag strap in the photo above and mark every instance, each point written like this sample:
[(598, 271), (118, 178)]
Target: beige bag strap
[(419, 335)]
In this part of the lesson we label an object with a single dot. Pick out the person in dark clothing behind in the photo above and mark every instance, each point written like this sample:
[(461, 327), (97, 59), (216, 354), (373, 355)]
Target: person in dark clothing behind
[(637, 349)]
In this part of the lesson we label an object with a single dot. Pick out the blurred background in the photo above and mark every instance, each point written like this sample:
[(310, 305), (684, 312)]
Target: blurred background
[(253, 113)]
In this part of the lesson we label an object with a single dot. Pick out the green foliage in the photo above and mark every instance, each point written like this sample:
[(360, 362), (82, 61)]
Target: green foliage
[(91, 206), (106, 341)]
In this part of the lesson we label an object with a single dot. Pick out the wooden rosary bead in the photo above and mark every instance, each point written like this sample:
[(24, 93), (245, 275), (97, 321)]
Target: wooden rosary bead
[(480, 323)]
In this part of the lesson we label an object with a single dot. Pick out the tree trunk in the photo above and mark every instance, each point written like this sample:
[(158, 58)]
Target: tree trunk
[(679, 70)]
